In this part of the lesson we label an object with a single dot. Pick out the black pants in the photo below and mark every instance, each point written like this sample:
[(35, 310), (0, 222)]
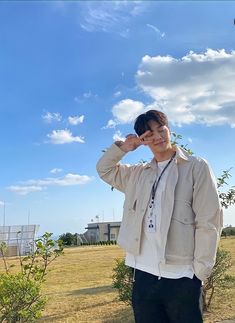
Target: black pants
[(166, 300)]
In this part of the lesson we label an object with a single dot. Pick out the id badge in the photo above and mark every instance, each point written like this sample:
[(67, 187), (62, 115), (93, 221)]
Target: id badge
[(151, 223)]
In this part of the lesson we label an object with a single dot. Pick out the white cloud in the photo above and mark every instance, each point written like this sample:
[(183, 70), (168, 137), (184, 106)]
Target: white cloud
[(24, 190), (110, 16), (195, 88), (159, 33), (56, 170), (30, 186), (111, 124), (2, 203), (89, 94), (76, 99), (49, 117), (118, 93), (67, 180), (127, 110), (85, 96), (58, 5), (76, 120), (60, 137), (190, 140), (118, 136)]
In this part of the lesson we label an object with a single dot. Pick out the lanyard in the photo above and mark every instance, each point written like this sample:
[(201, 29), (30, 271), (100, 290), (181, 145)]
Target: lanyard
[(155, 185)]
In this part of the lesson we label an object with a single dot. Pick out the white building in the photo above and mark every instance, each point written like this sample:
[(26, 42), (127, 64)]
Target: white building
[(102, 231), (18, 238)]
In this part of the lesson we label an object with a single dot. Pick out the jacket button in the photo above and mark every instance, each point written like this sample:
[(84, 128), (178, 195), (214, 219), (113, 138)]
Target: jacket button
[(136, 239), (142, 210)]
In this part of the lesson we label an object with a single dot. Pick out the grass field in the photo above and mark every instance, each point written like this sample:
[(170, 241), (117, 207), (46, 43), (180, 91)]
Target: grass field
[(79, 288)]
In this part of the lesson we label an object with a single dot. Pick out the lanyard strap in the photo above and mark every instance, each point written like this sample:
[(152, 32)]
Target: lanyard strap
[(155, 185)]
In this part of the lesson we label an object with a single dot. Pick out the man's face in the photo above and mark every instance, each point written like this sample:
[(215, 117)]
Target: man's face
[(159, 136)]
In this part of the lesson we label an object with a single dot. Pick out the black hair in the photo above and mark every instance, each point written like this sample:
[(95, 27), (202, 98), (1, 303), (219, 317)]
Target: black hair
[(141, 123)]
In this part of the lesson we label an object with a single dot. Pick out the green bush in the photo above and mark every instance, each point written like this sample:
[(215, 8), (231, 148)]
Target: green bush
[(20, 293), (123, 280), (229, 231), (218, 279), (20, 299), (99, 243), (69, 239)]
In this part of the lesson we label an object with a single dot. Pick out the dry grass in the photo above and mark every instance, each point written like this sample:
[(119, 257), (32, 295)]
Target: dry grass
[(223, 305), (79, 288)]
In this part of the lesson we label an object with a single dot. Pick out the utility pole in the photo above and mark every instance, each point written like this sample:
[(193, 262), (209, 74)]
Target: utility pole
[(28, 216), (4, 213)]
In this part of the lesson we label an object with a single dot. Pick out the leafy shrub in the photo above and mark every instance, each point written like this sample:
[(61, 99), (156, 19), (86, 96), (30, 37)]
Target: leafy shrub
[(20, 299), (228, 231), (99, 243), (218, 278), (123, 280), (69, 239), (20, 293)]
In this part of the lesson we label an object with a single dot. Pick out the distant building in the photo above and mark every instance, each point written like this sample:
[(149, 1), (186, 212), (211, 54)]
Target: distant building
[(102, 231), (81, 238), (18, 238)]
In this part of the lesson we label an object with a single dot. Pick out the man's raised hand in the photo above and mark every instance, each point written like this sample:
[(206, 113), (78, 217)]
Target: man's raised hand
[(132, 141)]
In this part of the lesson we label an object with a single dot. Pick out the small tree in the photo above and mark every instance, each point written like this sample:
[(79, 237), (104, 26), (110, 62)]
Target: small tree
[(68, 238), (226, 198), (20, 293), (122, 280), (228, 231), (218, 278)]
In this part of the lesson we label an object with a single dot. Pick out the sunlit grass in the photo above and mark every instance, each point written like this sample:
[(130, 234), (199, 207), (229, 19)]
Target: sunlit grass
[(79, 288)]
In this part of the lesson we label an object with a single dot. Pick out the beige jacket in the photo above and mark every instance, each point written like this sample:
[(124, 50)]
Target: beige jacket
[(192, 221)]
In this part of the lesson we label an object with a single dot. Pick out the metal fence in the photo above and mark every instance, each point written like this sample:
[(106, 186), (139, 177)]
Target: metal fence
[(18, 238)]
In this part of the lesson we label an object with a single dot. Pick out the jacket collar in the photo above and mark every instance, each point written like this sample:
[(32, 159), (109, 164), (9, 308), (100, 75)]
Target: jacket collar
[(181, 156)]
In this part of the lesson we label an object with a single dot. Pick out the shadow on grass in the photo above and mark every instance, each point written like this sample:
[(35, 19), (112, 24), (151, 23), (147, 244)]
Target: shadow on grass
[(52, 318), (92, 290), (120, 316), (113, 316), (116, 316)]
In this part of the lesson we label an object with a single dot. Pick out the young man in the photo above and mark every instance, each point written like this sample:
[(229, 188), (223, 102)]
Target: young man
[(171, 223)]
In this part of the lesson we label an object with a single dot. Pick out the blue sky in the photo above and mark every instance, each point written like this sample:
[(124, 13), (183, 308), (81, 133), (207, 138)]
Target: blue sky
[(73, 77)]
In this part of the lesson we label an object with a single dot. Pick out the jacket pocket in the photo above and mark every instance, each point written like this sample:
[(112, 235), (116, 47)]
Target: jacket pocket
[(183, 212), (180, 242)]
